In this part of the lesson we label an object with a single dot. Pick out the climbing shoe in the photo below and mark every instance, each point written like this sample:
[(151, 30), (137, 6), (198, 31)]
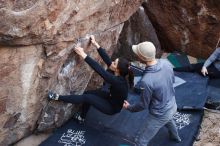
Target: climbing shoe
[(176, 139), (52, 96), (78, 118)]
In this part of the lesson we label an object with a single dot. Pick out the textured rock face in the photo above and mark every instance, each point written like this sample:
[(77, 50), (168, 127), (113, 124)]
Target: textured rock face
[(36, 38), (20, 105), (137, 29), (188, 26), (50, 21)]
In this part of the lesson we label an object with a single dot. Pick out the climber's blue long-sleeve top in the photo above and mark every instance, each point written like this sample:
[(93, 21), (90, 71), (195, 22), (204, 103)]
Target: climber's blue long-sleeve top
[(118, 84)]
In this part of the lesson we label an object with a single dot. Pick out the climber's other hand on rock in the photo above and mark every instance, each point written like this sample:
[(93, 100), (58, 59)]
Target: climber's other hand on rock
[(80, 52), (92, 38)]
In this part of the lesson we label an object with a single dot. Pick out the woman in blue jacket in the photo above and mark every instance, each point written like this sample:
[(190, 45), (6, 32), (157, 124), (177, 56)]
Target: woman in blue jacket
[(210, 68)]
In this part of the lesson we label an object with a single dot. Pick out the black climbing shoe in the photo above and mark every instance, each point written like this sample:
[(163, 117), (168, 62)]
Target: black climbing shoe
[(52, 96), (176, 139), (78, 118)]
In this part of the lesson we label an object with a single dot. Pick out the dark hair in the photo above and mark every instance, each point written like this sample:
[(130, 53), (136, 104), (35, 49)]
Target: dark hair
[(124, 70)]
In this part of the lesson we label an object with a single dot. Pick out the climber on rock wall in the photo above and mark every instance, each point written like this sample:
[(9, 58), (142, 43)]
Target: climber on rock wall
[(109, 102)]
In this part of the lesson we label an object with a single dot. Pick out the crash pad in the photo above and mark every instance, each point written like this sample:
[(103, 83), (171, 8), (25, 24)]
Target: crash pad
[(74, 134), (193, 93)]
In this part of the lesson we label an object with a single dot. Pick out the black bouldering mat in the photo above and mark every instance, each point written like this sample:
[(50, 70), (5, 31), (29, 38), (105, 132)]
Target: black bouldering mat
[(193, 93), (214, 90), (213, 101), (126, 125), (214, 83), (75, 134), (121, 129), (123, 124), (188, 124)]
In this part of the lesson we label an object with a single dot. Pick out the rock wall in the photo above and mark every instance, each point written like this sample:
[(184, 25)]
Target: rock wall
[(187, 26), (20, 104), (36, 38), (137, 29)]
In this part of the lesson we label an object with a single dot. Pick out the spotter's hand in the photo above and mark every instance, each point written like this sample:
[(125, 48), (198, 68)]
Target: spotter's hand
[(204, 71), (126, 104)]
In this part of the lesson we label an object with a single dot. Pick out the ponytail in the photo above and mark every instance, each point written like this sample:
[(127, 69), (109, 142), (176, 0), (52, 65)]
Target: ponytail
[(130, 77), (125, 71)]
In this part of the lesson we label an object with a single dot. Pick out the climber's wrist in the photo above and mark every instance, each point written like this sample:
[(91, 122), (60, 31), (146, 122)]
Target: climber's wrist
[(83, 55)]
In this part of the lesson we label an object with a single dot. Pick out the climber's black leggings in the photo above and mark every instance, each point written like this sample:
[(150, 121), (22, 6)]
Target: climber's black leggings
[(96, 98), (213, 72)]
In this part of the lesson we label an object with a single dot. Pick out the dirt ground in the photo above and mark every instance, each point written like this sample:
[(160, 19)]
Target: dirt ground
[(33, 140), (210, 129)]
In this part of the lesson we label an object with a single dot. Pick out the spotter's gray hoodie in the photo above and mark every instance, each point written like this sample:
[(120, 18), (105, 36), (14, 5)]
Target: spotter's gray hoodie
[(157, 89)]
